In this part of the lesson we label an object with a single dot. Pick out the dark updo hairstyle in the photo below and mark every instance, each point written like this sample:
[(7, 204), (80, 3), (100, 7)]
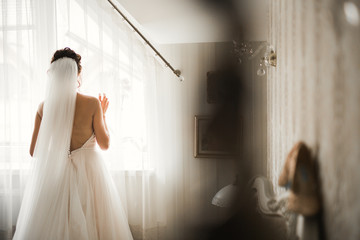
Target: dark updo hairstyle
[(67, 52)]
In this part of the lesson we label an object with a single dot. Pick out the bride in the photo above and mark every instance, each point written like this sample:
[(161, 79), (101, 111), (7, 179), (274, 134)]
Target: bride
[(70, 193)]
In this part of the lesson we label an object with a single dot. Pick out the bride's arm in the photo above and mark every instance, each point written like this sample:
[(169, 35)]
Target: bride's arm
[(36, 128), (99, 123)]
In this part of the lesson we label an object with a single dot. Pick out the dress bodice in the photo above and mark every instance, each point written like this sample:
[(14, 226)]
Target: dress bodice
[(89, 144)]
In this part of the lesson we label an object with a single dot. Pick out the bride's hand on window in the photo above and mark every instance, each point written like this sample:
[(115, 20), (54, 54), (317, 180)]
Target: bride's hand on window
[(104, 103)]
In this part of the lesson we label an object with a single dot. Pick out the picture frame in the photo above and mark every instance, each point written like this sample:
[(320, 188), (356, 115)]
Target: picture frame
[(206, 143)]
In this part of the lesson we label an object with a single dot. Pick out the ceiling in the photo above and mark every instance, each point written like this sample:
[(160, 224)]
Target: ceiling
[(181, 21)]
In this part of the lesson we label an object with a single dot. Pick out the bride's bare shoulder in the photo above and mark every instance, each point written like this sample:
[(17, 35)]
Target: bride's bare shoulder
[(86, 97), (88, 100)]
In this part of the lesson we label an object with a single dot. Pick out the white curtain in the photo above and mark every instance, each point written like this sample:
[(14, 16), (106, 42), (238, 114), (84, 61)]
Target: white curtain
[(145, 157)]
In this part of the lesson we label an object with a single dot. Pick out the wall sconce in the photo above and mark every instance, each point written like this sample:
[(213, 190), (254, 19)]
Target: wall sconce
[(247, 50), (270, 57), (269, 60)]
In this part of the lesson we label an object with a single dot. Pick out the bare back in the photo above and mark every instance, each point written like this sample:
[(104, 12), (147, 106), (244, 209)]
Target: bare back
[(88, 119), (85, 109)]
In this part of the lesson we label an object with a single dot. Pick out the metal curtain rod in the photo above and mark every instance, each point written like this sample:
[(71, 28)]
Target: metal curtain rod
[(177, 72)]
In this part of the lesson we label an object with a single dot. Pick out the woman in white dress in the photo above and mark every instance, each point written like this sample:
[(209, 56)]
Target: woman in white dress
[(70, 194)]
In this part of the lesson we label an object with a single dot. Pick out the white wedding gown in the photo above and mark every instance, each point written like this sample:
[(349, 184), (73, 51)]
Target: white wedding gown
[(70, 195), (94, 207), (88, 206)]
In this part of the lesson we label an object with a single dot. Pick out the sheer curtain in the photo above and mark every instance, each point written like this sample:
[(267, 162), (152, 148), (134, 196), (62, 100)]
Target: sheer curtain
[(21, 54), (145, 157)]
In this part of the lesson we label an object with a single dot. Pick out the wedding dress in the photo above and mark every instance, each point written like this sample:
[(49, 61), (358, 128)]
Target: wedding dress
[(70, 195)]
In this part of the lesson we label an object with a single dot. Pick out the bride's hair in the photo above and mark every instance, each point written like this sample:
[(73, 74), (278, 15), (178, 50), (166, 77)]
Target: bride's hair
[(67, 52)]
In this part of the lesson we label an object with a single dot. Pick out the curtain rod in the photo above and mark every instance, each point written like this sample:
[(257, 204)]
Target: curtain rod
[(177, 72)]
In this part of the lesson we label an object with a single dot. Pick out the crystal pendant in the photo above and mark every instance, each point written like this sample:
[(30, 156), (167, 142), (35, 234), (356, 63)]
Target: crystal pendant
[(260, 72)]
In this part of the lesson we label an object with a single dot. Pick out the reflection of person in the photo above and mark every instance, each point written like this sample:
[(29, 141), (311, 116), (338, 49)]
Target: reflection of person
[(70, 194)]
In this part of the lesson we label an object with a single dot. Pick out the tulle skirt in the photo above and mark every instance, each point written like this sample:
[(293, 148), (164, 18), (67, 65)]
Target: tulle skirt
[(88, 207)]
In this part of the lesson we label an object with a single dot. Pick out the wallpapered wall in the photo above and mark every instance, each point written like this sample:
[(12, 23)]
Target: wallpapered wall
[(203, 177), (313, 95)]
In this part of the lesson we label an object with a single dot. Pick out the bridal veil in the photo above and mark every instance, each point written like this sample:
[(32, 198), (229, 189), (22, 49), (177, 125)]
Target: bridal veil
[(44, 190)]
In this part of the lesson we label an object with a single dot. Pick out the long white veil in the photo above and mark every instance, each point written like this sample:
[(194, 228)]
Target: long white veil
[(44, 189)]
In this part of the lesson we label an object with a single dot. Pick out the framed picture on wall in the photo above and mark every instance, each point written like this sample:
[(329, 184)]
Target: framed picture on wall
[(213, 140)]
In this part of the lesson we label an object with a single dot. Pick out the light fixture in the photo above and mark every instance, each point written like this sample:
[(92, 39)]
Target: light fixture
[(225, 197), (270, 57), (269, 60), (261, 71), (351, 12), (247, 50), (243, 50)]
